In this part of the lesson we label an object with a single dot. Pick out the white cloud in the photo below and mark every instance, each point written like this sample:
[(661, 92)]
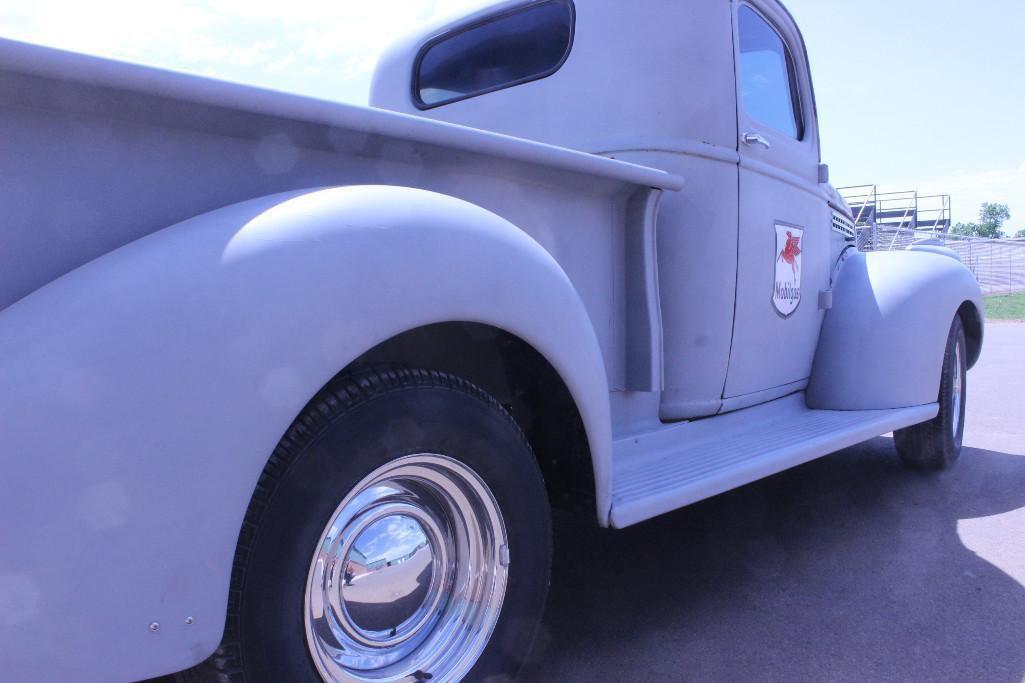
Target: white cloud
[(123, 28), (969, 189), (325, 48)]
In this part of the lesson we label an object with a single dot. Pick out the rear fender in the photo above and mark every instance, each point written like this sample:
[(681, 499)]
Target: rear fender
[(144, 392)]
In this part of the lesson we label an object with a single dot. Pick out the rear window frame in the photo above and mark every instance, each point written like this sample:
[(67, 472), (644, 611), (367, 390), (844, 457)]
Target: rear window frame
[(489, 19)]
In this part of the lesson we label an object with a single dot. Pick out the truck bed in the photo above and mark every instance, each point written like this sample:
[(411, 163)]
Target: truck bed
[(97, 153)]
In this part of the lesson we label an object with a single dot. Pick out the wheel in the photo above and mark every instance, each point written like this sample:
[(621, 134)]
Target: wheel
[(936, 444), (400, 532)]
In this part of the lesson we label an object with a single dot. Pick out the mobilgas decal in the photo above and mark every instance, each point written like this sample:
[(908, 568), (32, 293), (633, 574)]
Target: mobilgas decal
[(786, 291)]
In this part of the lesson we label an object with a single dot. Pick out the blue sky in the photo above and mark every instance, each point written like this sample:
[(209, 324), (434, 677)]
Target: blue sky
[(911, 93), (917, 94)]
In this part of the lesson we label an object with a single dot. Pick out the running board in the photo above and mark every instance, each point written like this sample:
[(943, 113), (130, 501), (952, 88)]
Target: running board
[(660, 471)]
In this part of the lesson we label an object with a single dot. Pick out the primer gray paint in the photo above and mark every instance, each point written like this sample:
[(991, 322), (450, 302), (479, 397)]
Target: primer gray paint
[(187, 262)]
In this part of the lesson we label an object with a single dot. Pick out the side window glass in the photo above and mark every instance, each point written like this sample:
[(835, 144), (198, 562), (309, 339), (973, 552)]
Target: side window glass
[(525, 45), (768, 78)]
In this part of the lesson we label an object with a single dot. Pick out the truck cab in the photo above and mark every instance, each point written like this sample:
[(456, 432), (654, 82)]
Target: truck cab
[(760, 310), (718, 93)]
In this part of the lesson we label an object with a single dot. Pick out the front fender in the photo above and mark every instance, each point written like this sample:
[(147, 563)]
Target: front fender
[(882, 342), (143, 393)]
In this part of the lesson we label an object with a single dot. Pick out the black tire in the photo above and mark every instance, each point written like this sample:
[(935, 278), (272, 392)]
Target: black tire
[(371, 419), (936, 444)]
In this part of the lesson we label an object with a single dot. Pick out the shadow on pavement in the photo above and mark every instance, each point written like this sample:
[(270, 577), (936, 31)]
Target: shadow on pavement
[(849, 568)]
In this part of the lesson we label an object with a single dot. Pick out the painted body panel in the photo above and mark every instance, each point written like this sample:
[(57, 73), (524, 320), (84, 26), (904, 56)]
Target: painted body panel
[(145, 391), (891, 313), (614, 92), (696, 228), (779, 193), (642, 121), (98, 153), (770, 350)]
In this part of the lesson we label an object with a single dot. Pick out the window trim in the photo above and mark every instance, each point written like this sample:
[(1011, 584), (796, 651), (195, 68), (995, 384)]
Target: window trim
[(793, 75), (491, 18)]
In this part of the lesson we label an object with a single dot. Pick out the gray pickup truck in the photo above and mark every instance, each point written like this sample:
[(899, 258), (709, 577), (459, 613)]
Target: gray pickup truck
[(288, 388)]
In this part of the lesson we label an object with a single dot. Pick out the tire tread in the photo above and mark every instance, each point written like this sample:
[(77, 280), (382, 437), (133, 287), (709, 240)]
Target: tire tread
[(930, 446), (342, 394)]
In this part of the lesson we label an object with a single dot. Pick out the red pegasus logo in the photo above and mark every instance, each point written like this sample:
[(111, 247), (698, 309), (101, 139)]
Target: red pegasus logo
[(791, 251)]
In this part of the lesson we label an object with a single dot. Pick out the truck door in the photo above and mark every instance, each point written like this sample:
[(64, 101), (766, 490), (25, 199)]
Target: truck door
[(784, 231)]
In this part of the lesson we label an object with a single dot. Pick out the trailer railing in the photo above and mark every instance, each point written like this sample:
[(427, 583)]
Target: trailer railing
[(887, 221)]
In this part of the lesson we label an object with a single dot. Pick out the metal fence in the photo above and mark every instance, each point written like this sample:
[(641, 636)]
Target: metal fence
[(887, 221), (998, 265)]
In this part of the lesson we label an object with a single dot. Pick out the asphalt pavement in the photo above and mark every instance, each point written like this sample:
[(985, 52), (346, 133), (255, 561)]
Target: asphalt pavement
[(849, 568)]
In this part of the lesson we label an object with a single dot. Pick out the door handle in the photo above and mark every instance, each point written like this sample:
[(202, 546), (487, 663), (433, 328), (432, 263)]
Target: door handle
[(752, 139)]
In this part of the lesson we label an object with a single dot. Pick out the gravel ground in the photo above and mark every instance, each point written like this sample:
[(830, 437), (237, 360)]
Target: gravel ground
[(849, 568)]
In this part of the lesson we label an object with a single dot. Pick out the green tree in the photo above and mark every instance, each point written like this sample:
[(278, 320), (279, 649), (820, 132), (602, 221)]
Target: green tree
[(992, 217)]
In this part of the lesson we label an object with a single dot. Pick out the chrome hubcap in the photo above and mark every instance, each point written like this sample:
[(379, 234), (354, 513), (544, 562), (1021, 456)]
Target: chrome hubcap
[(408, 578), (387, 575), (956, 389)]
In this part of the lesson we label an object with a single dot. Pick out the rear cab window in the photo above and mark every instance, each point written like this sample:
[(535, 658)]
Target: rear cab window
[(520, 46), (768, 76)]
